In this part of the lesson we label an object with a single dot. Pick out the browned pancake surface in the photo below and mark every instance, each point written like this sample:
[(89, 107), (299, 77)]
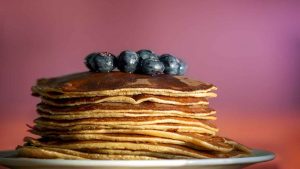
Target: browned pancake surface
[(126, 106), (63, 101), (91, 81)]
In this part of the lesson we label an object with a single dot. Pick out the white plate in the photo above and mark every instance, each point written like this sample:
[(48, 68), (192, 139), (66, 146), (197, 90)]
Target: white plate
[(228, 163)]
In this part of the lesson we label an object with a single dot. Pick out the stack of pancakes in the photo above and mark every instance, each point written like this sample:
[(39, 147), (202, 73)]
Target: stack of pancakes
[(118, 115)]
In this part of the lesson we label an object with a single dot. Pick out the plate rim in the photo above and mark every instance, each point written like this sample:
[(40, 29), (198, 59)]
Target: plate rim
[(258, 155)]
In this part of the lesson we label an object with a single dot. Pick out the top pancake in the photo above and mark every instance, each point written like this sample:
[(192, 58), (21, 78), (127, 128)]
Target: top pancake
[(119, 83)]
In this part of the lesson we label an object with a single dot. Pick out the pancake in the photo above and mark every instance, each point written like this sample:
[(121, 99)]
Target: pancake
[(136, 138), (58, 153), (202, 141), (238, 146), (108, 154), (74, 116), (130, 121), (95, 146), (163, 127), (90, 84), (135, 99), (35, 152), (91, 145), (118, 137), (234, 153), (124, 107), (138, 153)]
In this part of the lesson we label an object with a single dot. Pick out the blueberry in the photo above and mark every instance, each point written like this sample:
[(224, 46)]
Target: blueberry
[(127, 61), (152, 66), (144, 54), (89, 61), (182, 67), (171, 64), (100, 62)]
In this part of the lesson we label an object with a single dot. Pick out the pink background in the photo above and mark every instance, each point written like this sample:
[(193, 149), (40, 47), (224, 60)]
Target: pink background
[(249, 49)]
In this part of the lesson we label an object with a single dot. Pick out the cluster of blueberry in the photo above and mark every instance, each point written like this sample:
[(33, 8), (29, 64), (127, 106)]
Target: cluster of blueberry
[(142, 61)]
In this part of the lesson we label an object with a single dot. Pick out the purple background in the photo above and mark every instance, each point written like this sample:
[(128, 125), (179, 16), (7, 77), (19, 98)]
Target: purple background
[(249, 49)]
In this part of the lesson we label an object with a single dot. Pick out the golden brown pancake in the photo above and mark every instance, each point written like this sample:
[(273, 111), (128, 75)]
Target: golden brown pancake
[(131, 121), (59, 153), (110, 154), (96, 135), (136, 152), (92, 145), (90, 84), (95, 146), (85, 115), (135, 99), (202, 141), (124, 107), (234, 153), (119, 137), (44, 125)]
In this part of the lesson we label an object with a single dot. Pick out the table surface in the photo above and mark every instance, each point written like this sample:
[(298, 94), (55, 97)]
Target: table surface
[(277, 133)]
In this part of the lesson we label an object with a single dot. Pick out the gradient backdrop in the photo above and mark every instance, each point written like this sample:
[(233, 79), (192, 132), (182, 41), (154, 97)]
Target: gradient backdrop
[(249, 49)]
